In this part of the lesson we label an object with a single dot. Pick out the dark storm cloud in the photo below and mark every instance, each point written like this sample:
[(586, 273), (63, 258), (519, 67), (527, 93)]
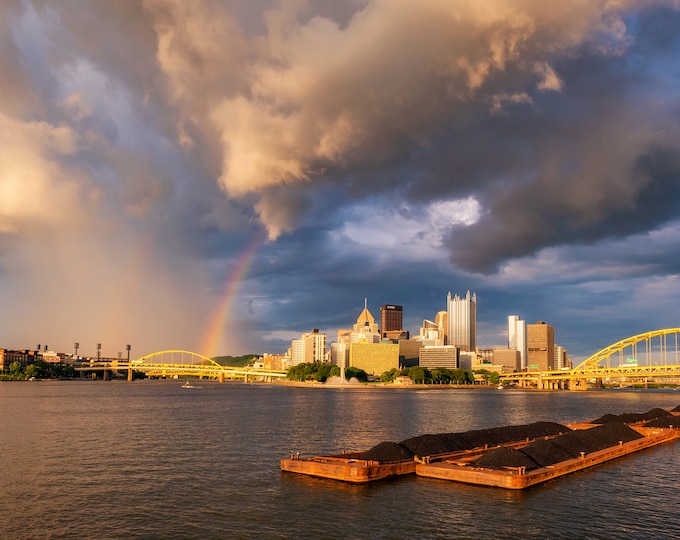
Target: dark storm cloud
[(606, 157)]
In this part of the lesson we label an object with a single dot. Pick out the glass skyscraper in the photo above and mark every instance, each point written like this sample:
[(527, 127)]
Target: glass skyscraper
[(462, 321), (517, 338)]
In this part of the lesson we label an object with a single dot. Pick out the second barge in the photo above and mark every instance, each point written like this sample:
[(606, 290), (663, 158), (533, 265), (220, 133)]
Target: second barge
[(463, 470)]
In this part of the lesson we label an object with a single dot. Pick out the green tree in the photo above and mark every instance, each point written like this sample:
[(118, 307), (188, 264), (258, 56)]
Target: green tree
[(462, 376), (15, 369), (31, 371), (324, 371), (441, 375), (312, 371), (490, 377), (44, 370), (419, 374), (299, 373), (389, 376), (357, 373)]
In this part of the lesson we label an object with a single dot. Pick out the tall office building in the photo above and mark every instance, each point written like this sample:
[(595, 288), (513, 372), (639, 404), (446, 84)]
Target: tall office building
[(517, 338), (561, 358), (461, 314), (442, 322), (315, 346), (390, 319), (311, 347), (439, 356), (297, 352), (340, 354), (540, 347)]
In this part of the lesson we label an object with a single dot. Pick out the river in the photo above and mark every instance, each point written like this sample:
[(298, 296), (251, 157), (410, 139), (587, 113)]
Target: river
[(150, 459)]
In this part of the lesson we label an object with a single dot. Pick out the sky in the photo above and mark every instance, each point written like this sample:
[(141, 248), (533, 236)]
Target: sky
[(221, 176)]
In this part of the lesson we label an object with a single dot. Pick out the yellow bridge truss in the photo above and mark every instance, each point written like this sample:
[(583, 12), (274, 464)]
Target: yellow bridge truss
[(178, 363), (623, 360)]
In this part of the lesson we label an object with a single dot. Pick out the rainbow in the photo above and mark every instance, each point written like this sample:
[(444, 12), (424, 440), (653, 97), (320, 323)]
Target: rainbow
[(217, 322)]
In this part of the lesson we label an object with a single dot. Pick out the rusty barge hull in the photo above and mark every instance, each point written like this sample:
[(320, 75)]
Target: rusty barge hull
[(348, 468), (517, 478)]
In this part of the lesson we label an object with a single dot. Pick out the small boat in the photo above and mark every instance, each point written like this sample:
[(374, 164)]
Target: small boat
[(500, 387), (187, 385)]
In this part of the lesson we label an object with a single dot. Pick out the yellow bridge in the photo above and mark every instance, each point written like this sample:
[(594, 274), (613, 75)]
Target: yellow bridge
[(177, 363), (648, 357)]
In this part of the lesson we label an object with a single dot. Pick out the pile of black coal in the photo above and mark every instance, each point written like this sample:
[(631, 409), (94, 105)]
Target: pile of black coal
[(386, 452), (545, 452), (560, 448), (668, 421), (632, 418), (500, 458), (444, 443), (429, 445), (480, 438)]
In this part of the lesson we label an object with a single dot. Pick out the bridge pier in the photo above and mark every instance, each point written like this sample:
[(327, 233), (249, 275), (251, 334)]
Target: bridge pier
[(221, 377), (578, 385), (129, 376)]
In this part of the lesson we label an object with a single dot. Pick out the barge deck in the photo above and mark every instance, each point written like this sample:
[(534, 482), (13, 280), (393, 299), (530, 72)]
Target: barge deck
[(518, 478)]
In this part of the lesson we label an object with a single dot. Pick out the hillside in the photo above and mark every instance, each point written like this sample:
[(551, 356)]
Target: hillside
[(235, 361)]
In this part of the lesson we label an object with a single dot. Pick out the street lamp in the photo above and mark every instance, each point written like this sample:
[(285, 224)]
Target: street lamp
[(99, 351), (128, 352), (76, 345)]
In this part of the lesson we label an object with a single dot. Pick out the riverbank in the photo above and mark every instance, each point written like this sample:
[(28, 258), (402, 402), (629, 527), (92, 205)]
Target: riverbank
[(380, 385)]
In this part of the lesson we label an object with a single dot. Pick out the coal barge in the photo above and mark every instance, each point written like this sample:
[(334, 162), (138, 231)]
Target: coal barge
[(511, 457)]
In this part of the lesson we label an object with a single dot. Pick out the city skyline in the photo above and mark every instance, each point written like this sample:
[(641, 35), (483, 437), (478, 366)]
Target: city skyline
[(224, 177)]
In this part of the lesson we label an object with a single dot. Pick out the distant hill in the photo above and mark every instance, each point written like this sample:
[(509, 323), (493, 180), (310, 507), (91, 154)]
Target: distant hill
[(235, 361)]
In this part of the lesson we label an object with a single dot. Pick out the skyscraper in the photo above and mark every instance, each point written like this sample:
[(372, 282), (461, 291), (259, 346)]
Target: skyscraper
[(315, 346), (462, 321), (517, 338), (390, 320), (540, 346)]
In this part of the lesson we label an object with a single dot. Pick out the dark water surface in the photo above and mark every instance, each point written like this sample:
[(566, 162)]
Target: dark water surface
[(149, 459)]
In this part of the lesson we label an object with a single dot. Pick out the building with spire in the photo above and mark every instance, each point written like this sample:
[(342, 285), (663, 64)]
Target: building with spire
[(461, 315), (365, 329)]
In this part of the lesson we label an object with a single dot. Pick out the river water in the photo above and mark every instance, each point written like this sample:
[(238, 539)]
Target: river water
[(150, 459)]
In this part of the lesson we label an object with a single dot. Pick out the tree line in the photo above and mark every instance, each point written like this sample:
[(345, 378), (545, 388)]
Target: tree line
[(320, 372), (38, 370)]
